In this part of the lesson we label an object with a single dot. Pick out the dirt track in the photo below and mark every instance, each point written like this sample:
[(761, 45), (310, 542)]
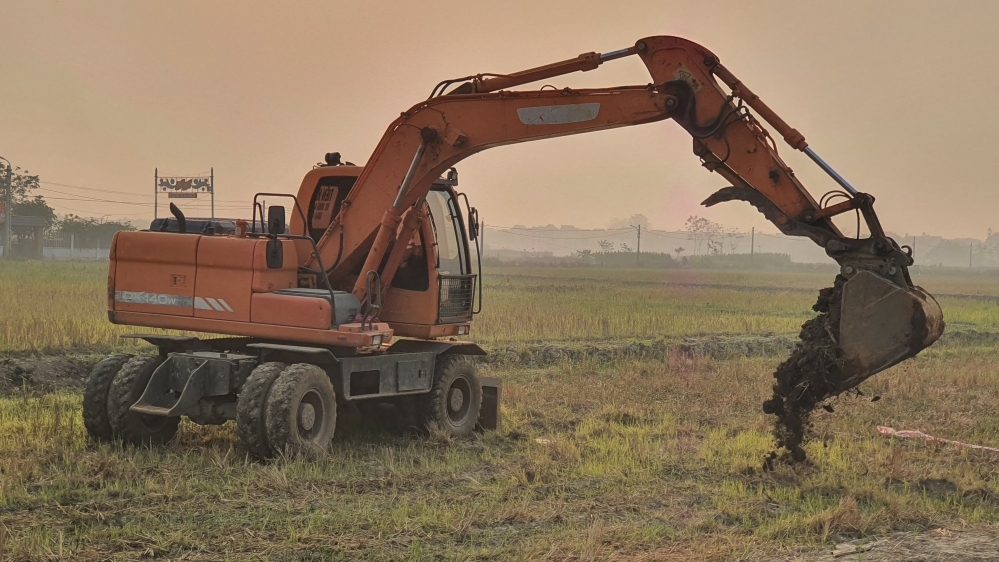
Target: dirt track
[(939, 545), (46, 373), (50, 372)]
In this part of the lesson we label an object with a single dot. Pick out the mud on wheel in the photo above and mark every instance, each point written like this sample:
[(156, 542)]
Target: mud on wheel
[(95, 397), (126, 388), (251, 427), (301, 411), (454, 401)]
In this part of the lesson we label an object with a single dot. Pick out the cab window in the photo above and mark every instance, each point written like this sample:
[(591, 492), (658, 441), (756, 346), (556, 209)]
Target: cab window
[(446, 221)]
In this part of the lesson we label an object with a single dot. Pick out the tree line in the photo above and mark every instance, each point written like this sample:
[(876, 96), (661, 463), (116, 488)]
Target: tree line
[(81, 232)]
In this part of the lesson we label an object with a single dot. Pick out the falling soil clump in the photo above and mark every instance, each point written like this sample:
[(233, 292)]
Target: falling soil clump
[(807, 377)]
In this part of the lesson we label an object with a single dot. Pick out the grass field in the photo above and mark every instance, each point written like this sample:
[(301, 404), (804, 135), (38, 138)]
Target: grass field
[(630, 459), (62, 306)]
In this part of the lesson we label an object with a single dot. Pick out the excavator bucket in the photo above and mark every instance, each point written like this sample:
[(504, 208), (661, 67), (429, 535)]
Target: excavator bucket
[(880, 324), (866, 324)]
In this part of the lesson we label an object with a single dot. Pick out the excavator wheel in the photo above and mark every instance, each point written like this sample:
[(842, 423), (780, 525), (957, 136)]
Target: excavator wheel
[(251, 408), (126, 388), (301, 411), (95, 397), (454, 401)]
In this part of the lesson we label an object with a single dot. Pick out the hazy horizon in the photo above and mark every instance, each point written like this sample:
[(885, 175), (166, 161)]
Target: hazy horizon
[(100, 94)]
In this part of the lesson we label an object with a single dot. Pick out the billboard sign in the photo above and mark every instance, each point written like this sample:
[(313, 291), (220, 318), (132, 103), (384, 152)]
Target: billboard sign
[(190, 186), (183, 187)]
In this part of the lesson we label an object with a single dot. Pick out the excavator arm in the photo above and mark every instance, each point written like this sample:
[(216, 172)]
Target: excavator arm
[(877, 318), (476, 116)]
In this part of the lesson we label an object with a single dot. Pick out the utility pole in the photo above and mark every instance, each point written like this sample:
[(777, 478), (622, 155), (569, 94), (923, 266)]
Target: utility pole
[(913, 248), (8, 209), (213, 191), (752, 245), (971, 252), (638, 249)]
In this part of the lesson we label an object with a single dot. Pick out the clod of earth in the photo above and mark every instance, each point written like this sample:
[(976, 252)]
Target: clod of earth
[(810, 375)]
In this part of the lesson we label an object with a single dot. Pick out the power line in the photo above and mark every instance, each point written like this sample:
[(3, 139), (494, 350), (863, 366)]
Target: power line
[(93, 189), (94, 200), (96, 189), (566, 237)]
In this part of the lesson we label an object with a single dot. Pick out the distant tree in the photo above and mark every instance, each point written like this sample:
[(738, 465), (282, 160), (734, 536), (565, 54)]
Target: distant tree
[(733, 240), (634, 220), (606, 246), (24, 204), (22, 184), (36, 207), (679, 251), (625, 247), (88, 232), (585, 255), (701, 230)]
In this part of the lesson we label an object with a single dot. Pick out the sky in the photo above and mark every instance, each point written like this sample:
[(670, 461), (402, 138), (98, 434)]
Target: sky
[(897, 96)]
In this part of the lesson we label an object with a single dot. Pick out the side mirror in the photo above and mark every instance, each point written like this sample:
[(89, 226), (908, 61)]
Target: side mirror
[(275, 254), (275, 220), (473, 223)]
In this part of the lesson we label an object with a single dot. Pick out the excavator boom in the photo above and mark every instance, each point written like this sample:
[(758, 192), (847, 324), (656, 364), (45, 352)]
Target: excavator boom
[(880, 317)]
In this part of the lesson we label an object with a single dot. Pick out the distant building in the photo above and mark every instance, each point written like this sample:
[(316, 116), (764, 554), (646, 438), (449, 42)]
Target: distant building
[(29, 246)]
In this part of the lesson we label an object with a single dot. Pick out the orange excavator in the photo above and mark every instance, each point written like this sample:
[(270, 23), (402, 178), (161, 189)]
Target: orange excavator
[(356, 298)]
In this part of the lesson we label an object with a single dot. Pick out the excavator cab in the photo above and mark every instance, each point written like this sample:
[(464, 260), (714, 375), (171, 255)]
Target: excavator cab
[(438, 260)]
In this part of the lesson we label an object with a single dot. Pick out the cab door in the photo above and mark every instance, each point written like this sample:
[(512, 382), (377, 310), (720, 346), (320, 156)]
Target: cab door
[(455, 281)]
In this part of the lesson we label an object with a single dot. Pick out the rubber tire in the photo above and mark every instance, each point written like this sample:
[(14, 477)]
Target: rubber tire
[(434, 406), (95, 397), (251, 408), (127, 387), (283, 402)]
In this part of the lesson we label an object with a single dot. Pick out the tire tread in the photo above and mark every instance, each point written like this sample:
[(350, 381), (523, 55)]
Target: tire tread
[(430, 405), (95, 397), (251, 408), (124, 393), (280, 403)]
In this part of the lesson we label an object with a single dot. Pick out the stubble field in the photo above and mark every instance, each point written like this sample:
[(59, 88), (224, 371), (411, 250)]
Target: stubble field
[(632, 431)]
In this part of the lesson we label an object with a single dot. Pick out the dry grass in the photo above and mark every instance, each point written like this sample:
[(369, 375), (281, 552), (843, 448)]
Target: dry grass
[(60, 306), (626, 460), (632, 460), (48, 305), (584, 304)]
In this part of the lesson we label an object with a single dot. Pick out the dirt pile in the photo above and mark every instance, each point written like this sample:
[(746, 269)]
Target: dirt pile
[(44, 374), (807, 377), (714, 346)]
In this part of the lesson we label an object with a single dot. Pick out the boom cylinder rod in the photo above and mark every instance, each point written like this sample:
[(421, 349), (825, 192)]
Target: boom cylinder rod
[(604, 57), (407, 180), (791, 135), (828, 169), (582, 63), (391, 218)]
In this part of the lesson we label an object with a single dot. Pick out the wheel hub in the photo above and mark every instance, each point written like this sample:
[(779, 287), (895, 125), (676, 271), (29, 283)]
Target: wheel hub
[(457, 399), (306, 416)]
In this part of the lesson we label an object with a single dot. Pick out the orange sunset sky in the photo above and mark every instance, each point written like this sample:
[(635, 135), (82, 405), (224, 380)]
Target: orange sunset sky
[(898, 96)]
